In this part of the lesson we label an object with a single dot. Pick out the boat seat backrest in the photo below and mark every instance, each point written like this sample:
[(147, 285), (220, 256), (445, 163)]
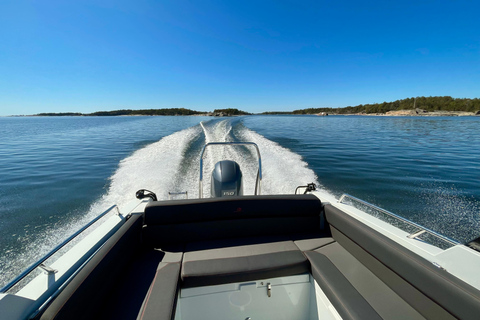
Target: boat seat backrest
[(184, 221), (414, 278)]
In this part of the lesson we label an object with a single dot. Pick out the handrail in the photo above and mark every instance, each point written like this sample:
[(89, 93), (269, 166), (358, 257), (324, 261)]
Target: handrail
[(411, 223), (53, 251), (259, 173)]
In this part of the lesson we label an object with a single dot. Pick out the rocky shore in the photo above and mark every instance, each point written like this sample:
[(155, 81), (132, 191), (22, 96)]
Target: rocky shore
[(423, 113)]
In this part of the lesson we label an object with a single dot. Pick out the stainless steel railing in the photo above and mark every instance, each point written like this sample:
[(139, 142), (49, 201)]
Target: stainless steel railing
[(259, 172), (40, 262)]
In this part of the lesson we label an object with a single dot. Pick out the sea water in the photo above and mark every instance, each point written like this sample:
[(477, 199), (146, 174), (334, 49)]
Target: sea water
[(56, 173)]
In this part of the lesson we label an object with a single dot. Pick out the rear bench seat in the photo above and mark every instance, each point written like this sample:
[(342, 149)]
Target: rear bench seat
[(237, 238), (187, 221), (363, 273), (257, 234)]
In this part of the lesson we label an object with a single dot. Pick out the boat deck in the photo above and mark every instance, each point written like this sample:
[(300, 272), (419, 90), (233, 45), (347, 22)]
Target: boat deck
[(162, 264)]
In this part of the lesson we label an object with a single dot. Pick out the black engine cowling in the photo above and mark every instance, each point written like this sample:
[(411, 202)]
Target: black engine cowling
[(226, 179)]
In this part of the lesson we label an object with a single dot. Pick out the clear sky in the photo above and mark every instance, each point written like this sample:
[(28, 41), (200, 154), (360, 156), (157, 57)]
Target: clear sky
[(86, 56)]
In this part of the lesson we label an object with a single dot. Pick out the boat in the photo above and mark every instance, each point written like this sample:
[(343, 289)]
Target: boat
[(305, 255)]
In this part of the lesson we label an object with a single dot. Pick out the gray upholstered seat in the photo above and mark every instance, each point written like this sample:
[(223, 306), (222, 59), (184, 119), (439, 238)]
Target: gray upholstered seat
[(432, 291), (313, 243), (236, 262), (349, 303), (353, 289), (160, 300)]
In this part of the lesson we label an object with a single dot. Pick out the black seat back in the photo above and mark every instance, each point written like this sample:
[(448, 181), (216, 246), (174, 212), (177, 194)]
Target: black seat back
[(183, 221)]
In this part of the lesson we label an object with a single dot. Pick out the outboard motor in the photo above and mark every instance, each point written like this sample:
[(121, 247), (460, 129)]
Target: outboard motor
[(227, 179)]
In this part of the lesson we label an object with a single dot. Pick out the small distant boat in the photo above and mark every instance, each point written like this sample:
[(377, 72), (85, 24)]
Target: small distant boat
[(322, 114), (235, 256)]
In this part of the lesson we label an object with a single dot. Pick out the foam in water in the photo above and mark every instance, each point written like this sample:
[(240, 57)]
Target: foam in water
[(448, 212), (282, 170), (172, 164), (155, 167)]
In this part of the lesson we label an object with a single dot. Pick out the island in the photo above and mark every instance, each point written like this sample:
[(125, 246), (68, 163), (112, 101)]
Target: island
[(415, 106), (152, 112)]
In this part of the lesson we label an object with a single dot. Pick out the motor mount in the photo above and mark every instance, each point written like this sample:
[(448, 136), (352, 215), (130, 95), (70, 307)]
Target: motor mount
[(226, 179)]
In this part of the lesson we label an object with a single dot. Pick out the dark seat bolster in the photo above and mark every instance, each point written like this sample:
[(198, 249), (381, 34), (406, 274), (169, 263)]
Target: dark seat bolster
[(457, 297), (159, 235), (240, 260), (313, 243), (239, 269), (228, 208), (348, 302), (160, 301)]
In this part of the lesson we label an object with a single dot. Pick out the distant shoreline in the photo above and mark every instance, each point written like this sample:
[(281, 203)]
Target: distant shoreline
[(418, 106), (399, 113), (414, 113), (149, 112)]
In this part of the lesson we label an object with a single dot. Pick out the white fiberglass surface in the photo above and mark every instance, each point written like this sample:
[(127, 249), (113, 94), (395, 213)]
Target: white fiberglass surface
[(292, 297)]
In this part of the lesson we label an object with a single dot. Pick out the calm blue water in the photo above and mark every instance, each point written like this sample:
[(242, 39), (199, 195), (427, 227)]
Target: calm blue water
[(56, 173)]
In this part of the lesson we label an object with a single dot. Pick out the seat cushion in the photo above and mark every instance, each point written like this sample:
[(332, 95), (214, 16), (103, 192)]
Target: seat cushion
[(237, 263), (314, 243), (160, 300), (347, 300), (454, 295)]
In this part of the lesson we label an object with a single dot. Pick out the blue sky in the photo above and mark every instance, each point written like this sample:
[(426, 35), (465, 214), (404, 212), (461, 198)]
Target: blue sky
[(86, 56)]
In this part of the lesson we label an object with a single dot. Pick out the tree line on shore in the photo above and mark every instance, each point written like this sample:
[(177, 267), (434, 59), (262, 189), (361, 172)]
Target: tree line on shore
[(430, 104), (150, 112), (445, 103)]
